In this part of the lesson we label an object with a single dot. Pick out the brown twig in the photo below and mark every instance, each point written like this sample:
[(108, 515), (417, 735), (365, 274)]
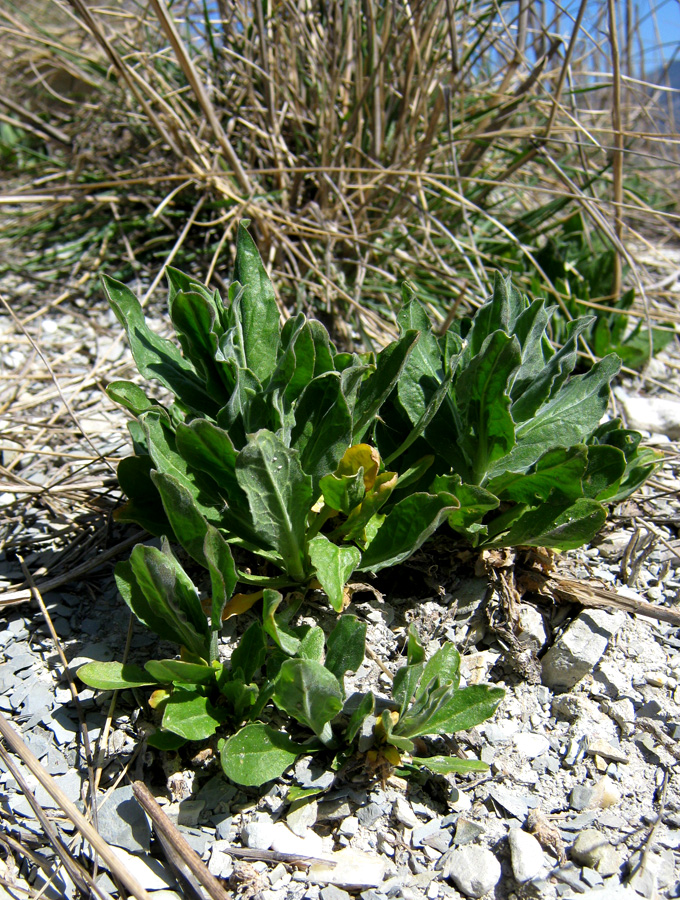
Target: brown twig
[(180, 851), (119, 869)]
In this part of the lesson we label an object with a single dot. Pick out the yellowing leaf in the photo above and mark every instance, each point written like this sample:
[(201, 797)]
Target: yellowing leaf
[(357, 456), (240, 603)]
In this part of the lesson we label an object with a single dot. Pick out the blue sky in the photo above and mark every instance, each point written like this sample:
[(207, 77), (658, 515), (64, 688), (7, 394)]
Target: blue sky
[(658, 47)]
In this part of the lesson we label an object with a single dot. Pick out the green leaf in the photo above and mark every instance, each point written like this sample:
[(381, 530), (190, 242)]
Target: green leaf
[(334, 564), (191, 715), (169, 598), (312, 643), (113, 676), (189, 525), (198, 331), (559, 470), (346, 646), (280, 497), (144, 505), (406, 527), (443, 667), (482, 395), (178, 671), (165, 740), (257, 754), (307, 691), (295, 367), (606, 466), (259, 311), (356, 720), (447, 765), (405, 682), (379, 385), (343, 492), (276, 631), (223, 578), (209, 448), (474, 501), (452, 710), (250, 654), (296, 794), (423, 372), (155, 357), (178, 281), (536, 383), (131, 396), (571, 415), (323, 427), (167, 459)]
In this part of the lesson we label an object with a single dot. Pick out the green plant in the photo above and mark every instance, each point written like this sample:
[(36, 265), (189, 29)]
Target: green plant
[(262, 441), (517, 438), (301, 673), (583, 270)]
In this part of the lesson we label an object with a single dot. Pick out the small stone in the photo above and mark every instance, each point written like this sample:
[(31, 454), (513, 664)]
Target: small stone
[(349, 868), (349, 826), (575, 752), (150, 874), (332, 892), (466, 831), (516, 806), (527, 857), (657, 415), (531, 745), (402, 812), (531, 626), (600, 747), (309, 774), (121, 821), (579, 649), (592, 849), (424, 831), (301, 817), (569, 874), (500, 732), (258, 834), (473, 870), (591, 877), (190, 812), (370, 814), (284, 841), (605, 794), (581, 797)]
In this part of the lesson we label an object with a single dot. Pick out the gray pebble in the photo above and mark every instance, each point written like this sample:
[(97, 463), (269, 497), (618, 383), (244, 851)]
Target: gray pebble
[(581, 797), (370, 814), (121, 821), (578, 650), (331, 892), (473, 870), (592, 849), (258, 834), (466, 831), (526, 854)]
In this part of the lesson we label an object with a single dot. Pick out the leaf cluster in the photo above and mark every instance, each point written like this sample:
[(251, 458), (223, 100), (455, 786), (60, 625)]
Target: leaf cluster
[(301, 673), (515, 436), (262, 444)]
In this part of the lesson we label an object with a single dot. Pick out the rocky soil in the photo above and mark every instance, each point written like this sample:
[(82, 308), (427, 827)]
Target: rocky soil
[(582, 796)]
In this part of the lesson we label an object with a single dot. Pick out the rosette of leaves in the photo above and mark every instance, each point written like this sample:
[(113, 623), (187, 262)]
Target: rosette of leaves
[(515, 435), (297, 669), (263, 439), (309, 687)]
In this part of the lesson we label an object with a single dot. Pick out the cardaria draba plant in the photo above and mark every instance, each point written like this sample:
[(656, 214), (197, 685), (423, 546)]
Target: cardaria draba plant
[(515, 436), (264, 439)]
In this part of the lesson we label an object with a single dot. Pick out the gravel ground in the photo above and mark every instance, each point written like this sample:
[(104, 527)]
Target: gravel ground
[(582, 796)]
